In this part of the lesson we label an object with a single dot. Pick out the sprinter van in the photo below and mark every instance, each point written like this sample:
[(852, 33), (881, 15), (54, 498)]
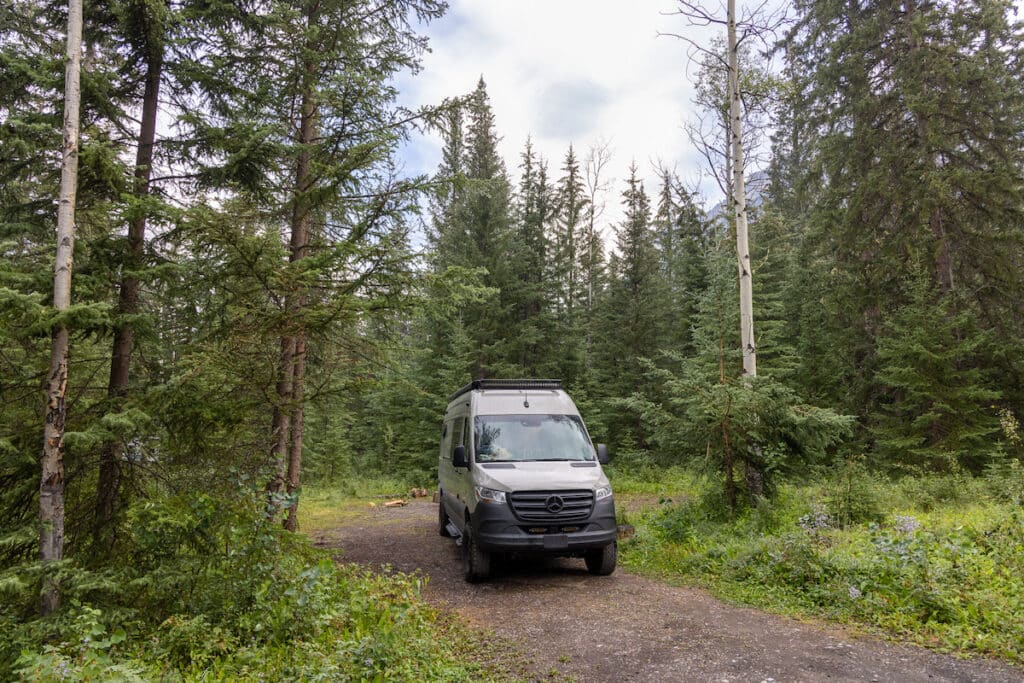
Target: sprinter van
[(518, 474)]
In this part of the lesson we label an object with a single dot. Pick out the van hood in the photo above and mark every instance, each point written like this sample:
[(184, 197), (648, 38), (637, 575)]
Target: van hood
[(540, 476)]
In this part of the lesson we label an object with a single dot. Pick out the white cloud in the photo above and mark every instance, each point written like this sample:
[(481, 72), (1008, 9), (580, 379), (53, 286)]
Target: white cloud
[(565, 71)]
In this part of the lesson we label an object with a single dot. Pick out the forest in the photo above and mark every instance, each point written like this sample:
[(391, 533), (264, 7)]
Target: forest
[(263, 302)]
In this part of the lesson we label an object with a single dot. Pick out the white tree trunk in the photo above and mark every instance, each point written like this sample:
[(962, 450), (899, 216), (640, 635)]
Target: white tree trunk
[(739, 201), (51, 487)]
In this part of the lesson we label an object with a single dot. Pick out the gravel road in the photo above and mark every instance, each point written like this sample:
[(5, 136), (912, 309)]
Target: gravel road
[(570, 625)]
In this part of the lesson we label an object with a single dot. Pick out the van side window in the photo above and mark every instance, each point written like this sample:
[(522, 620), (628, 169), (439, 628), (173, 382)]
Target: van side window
[(467, 437), (456, 435), (446, 440)]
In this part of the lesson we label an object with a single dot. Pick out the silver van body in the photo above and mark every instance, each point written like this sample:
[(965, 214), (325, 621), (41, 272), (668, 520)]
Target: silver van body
[(518, 473)]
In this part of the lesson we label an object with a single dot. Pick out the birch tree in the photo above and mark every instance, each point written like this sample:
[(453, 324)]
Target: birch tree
[(51, 487), (597, 187), (753, 25)]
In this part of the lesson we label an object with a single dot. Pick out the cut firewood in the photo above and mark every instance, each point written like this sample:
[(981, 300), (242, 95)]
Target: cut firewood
[(395, 503)]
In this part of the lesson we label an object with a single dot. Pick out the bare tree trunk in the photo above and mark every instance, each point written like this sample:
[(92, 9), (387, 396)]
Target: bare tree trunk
[(740, 202), (109, 482), (282, 418), (51, 486), (297, 425), (754, 471), (302, 216)]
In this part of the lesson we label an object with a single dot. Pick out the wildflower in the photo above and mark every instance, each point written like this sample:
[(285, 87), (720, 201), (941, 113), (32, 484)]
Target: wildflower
[(906, 524), (816, 520), (854, 592)]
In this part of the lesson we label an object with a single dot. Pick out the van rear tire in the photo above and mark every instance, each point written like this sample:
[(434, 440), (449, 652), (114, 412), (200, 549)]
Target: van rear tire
[(476, 562), (601, 561)]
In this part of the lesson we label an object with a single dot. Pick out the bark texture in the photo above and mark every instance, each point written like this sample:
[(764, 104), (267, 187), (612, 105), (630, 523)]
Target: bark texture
[(109, 483), (739, 201), (51, 486), (289, 417)]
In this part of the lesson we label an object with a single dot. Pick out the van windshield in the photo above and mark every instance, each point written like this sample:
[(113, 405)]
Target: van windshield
[(514, 438)]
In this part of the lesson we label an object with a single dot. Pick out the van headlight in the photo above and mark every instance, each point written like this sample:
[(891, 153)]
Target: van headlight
[(486, 495), (602, 493)]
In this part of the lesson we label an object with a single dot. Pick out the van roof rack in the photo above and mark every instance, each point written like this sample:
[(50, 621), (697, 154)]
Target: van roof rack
[(507, 384)]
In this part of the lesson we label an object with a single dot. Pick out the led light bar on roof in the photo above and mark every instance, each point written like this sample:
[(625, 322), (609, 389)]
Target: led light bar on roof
[(513, 384)]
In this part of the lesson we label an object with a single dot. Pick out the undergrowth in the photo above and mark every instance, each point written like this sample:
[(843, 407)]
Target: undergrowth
[(938, 560), (208, 589)]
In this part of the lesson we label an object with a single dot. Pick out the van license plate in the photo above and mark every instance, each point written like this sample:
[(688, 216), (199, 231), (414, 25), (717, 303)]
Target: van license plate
[(556, 541)]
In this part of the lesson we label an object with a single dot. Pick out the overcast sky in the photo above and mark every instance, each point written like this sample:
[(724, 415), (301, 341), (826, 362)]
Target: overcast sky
[(565, 71)]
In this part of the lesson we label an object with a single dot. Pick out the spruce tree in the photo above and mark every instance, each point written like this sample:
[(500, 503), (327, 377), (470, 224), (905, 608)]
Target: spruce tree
[(681, 240), (570, 256), (298, 117), (477, 234), (937, 410), (919, 167), (532, 340), (631, 310)]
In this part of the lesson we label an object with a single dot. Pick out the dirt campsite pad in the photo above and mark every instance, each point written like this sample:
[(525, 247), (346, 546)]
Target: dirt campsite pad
[(569, 625)]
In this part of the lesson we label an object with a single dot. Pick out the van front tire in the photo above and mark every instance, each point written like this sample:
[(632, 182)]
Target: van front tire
[(476, 562), (442, 520), (601, 561)]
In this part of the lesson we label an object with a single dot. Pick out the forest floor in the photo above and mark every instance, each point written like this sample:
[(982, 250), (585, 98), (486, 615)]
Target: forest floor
[(552, 621)]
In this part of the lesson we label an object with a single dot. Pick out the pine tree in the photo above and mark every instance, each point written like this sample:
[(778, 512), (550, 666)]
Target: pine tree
[(532, 342), (476, 233), (631, 314), (298, 116), (681, 241), (920, 165)]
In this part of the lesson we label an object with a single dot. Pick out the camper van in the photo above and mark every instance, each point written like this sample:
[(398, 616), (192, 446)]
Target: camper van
[(518, 474)]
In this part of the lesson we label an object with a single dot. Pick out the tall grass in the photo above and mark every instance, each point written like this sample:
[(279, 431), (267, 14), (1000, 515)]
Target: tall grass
[(937, 560)]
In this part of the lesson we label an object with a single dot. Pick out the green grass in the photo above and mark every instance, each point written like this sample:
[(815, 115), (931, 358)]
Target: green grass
[(329, 505), (938, 561)]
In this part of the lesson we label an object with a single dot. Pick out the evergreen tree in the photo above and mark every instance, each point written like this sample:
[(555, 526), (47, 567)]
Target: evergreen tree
[(920, 165), (937, 408), (569, 260), (307, 131), (532, 343), (478, 235), (146, 34), (681, 241), (632, 310)]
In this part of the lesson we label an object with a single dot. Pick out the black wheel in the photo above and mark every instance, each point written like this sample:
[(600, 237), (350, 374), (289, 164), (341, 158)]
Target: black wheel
[(476, 562), (442, 520), (601, 561)]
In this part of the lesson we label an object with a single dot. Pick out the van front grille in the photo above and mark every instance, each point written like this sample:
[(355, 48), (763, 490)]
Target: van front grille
[(552, 506)]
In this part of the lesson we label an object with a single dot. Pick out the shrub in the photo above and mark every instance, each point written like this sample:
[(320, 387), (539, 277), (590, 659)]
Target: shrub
[(211, 588), (949, 575)]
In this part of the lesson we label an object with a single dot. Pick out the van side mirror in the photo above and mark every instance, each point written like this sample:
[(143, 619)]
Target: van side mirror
[(602, 453), (459, 457)]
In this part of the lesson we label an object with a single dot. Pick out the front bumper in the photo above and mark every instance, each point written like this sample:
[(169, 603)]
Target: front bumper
[(497, 529)]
